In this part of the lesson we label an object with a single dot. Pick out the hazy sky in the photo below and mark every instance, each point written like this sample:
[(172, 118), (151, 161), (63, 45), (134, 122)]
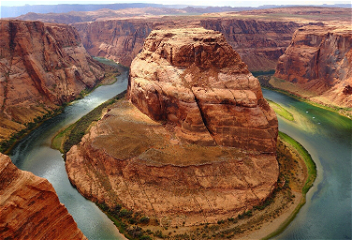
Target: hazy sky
[(182, 2)]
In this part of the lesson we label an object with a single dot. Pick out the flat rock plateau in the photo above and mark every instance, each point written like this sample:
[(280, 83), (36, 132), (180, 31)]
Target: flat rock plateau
[(195, 142), (30, 207)]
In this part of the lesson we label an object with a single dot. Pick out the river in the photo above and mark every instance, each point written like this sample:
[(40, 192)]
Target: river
[(328, 138), (326, 135), (34, 154)]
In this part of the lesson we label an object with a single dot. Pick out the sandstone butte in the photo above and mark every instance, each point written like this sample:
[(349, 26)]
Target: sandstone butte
[(319, 62), (195, 143), (41, 66), (30, 208)]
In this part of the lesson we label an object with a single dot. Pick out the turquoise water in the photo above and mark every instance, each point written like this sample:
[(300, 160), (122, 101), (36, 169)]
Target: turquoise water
[(328, 138)]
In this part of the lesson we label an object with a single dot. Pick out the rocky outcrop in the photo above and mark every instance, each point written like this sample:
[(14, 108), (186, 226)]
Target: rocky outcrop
[(196, 143), (41, 66), (193, 79), (259, 43), (30, 208), (319, 61)]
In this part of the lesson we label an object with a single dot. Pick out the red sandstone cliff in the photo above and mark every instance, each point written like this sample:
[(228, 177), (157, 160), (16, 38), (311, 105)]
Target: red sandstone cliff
[(319, 61), (209, 153), (259, 43), (192, 78), (41, 66), (30, 208)]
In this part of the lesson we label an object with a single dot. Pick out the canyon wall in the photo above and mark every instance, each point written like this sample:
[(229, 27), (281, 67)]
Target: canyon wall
[(41, 66), (319, 61), (195, 144), (30, 208), (259, 43)]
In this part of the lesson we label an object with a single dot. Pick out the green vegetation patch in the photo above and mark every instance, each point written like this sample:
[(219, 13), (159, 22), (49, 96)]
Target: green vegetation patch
[(7, 145), (312, 174), (280, 110), (311, 167), (64, 140)]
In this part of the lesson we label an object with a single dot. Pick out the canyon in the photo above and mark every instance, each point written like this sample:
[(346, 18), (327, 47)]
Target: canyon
[(202, 116), (30, 208), (318, 65), (191, 166), (42, 66), (259, 43)]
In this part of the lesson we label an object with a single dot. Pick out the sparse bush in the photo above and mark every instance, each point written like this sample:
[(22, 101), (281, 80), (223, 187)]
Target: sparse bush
[(144, 220)]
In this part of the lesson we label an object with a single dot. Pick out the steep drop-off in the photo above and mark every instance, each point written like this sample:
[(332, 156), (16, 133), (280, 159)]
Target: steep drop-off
[(319, 61), (30, 208), (206, 152), (259, 43), (41, 66)]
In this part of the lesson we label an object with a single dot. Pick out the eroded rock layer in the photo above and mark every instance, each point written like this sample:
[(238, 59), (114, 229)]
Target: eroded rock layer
[(319, 60), (260, 43), (41, 66), (30, 208), (131, 160), (195, 144), (193, 79)]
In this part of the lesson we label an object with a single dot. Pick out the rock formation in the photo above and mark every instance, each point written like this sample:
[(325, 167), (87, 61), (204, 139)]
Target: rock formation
[(195, 80), (41, 66), (30, 208), (259, 43), (319, 61), (207, 150)]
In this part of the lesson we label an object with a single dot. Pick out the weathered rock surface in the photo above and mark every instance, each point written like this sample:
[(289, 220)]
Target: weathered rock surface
[(319, 60), (41, 66), (30, 208), (193, 79), (259, 43), (207, 153)]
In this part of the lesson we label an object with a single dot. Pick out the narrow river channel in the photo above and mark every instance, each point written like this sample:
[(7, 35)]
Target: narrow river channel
[(326, 135), (34, 154)]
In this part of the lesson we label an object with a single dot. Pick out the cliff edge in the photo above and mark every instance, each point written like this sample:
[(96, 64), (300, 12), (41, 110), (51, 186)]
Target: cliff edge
[(41, 66), (30, 208), (318, 63)]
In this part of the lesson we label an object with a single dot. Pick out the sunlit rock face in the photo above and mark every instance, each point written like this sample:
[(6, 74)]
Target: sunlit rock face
[(41, 67), (192, 79), (30, 208), (319, 60)]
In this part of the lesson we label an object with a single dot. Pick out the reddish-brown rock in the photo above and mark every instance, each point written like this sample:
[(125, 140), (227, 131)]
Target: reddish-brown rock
[(259, 43), (193, 79), (319, 61), (30, 208), (41, 66), (209, 151)]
